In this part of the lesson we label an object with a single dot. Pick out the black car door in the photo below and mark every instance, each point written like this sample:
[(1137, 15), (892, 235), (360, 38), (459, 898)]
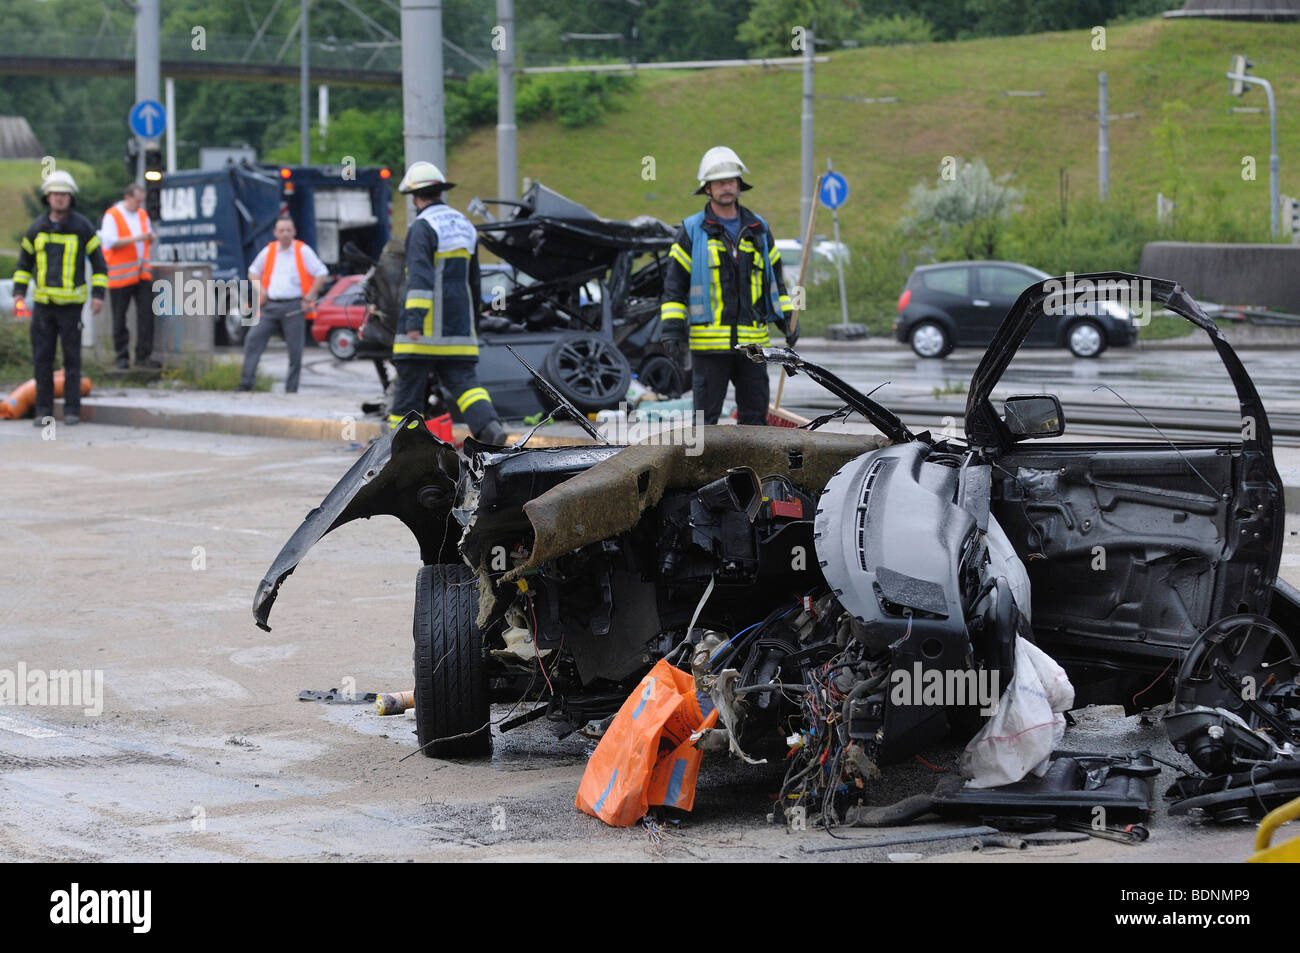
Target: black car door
[(950, 289), (1000, 286), (1132, 548)]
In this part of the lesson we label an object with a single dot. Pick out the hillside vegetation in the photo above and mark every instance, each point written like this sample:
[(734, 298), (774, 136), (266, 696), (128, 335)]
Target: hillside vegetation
[(1183, 142), (952, 102)]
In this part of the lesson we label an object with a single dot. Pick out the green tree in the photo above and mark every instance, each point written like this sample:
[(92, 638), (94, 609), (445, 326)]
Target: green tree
[(965, 208), (772, 25)]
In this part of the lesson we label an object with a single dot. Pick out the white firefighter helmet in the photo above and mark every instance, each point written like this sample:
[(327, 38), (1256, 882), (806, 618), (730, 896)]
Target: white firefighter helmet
[(423, 175), (721, 162), (59, 181)]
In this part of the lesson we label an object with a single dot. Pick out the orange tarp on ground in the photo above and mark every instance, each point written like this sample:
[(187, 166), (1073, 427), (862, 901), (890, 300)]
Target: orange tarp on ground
[(20, 401), (647, 755)]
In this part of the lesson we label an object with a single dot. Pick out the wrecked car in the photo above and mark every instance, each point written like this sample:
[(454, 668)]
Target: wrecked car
[(586, 317), (809, 580)]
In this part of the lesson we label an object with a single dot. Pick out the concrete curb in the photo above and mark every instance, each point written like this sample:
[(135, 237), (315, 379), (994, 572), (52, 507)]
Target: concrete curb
[(293, 428), (286, 428)]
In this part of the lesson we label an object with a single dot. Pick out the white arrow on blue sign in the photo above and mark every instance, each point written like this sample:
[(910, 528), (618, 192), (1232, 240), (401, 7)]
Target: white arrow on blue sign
[(834, 190), (148, 119)]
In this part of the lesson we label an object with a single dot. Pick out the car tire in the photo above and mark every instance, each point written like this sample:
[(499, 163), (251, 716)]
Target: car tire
[(661, 374), (451, 681), (1085, 339), (343, 343), (589, 370), (929, 339)]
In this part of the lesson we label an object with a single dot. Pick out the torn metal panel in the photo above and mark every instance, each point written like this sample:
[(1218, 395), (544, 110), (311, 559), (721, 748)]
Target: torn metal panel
[(408, 473), (611, 496)]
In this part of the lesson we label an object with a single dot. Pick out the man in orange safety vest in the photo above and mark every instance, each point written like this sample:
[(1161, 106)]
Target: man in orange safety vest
[(126, 234), (290, 278)]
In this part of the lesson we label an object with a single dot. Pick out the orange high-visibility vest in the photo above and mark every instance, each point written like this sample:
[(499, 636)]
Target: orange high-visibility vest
[(304, 277), (124, 266)]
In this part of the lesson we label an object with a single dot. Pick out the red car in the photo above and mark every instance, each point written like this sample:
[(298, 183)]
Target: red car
[(338, 316)]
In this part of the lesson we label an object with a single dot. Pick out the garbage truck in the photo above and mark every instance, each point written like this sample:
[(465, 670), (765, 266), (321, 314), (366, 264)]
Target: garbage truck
[(223, 217)]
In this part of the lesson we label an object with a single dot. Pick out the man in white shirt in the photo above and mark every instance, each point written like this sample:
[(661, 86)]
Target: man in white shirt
[(126, 234), (290, 277)]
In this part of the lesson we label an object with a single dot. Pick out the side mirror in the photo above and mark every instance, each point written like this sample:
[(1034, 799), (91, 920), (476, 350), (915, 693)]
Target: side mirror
[(1036, 416)]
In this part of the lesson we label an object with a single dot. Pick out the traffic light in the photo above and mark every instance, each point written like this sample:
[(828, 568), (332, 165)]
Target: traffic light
[(1242, 67), (153, 171)]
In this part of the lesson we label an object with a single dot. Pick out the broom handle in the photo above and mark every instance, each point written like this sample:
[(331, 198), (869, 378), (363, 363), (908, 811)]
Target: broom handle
[(803, 268)]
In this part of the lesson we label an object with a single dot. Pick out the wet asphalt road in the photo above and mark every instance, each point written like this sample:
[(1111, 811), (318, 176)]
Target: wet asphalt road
[(137, 552), (1181, 379)]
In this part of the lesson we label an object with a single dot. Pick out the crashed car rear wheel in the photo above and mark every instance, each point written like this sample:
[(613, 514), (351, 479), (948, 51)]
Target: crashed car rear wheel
[(589, 371), (451, 683), (662, 375)]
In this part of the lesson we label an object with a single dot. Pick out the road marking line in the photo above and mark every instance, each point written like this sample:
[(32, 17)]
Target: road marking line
[(9, 723)]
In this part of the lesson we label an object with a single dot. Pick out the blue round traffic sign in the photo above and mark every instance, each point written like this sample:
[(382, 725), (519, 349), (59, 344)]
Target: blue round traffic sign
[(834, 190), (148, 119)]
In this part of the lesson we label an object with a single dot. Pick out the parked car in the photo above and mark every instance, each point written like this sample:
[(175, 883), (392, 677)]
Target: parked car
[(797, 574), (339, 316), (821, 264), (962, 303)]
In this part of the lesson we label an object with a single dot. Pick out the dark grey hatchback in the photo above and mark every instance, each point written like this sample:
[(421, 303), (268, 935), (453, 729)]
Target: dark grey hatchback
[(962, 303)]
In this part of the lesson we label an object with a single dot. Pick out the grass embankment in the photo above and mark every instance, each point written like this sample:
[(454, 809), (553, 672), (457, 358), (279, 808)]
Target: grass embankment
[(1182, 142)]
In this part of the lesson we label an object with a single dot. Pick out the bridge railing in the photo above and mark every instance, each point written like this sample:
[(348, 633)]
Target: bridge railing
[(211, 47)]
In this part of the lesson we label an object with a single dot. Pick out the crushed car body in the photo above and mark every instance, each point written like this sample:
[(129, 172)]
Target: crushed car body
[(581, 309), (817, 586)]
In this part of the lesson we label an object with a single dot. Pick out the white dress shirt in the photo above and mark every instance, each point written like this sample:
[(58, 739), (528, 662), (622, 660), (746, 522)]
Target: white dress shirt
[(284, 279)]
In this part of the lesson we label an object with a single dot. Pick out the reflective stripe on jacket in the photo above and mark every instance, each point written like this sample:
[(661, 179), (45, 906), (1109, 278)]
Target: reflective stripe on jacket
[(441, 287), (125, 267), (53, 255), (727, 295)]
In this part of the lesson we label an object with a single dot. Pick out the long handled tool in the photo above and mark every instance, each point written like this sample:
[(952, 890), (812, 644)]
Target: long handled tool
[(776, 417)]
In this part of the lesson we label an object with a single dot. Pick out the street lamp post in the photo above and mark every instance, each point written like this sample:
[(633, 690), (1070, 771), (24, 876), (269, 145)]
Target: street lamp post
[(1239, 75)]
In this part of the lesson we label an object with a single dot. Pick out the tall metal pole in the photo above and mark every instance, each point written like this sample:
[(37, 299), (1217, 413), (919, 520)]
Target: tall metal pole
[(304, 124), (806, 134), (323, 110), (170, 104), (147, 64), (507, 157), (1273, 163), (1103, 142), (422, 96), (839, 261)]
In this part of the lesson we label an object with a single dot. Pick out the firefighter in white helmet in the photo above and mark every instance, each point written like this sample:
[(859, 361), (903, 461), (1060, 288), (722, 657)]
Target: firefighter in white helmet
[(722, 286), (52, 258), (435, 331)]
